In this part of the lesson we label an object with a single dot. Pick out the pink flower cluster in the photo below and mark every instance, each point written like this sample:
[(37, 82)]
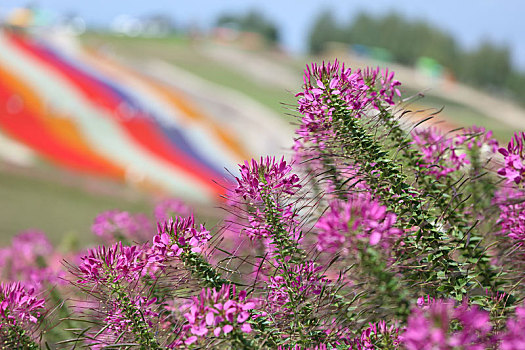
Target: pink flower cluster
[(479, 137), (32, 260), (440, 154), (18, 305), (298, 347), (375, 335), (119, 320), (261, 184), (514, 169), (360, 218), (266, 177), (356, 90), (316, 121), (115, 225), (429, 327), (511, 203), (217, 311), (175, 237), (171, 207), (258, 227), (102, 265), (514, 336), (382, 86), (304, 280)]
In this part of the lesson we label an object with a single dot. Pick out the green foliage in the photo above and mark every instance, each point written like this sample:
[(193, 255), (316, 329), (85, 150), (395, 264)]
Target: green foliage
[(325, 29), (202, 270), (140, 329), (16, 338), (252, 21), (488, 66)]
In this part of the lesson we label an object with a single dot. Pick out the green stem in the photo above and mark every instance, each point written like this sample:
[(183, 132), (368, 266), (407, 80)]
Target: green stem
[(401, 198), (446, 198), (141, 330), (15, 337)]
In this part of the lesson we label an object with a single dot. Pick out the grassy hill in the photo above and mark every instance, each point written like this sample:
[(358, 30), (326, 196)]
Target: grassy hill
[(61, 204)]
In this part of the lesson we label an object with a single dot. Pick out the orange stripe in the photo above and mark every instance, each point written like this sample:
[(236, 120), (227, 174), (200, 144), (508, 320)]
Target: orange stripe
[(63, 129), (178, 101)]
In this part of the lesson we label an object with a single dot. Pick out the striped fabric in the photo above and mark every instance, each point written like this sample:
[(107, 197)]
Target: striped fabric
[(90, 114)]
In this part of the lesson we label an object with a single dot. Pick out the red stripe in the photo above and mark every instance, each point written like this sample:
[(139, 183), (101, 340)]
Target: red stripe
[(19, 122)]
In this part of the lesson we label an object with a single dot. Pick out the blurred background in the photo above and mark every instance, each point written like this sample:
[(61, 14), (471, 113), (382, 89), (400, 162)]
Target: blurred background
[(121, 104)]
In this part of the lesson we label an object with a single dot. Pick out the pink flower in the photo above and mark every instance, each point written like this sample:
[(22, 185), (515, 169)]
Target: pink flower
[(18, 305), (512, 213), (370, 338), (298, 347), (170, 207), (429, 327), (513, 337), (119, 319), (356, 90), (382, 86), (266, 177), (304, 279), (514, 168), (262, 191), (358, 219), (478, 137), (114, 225), (111, 264), (440, 154), (32, 260), (176, 237), (215, 313)]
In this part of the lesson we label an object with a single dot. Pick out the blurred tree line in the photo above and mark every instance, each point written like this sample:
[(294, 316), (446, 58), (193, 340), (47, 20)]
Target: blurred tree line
[(488, 66), (252, 21)]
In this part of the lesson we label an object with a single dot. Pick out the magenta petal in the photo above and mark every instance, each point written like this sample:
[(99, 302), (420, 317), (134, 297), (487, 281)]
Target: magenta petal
[(374, 238), (165, 238), (243, 316), (217, 331), (210, 317), (190, 317), (246, 328), (248, 306), (227, 329), (228, 304), (190, 340), (200, 331)]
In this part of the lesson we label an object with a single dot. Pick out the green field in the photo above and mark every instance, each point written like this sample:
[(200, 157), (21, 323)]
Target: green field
[(63, 212)]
